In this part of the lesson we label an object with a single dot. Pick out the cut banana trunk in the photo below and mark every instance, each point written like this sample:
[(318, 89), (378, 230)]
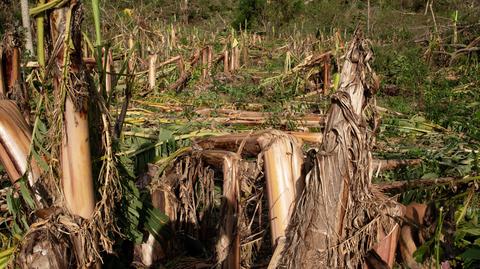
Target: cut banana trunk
[(283, 159), (76, 162), (15, 139)]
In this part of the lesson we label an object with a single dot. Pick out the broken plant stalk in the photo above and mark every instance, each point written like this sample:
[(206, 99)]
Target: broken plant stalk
[(15, 140), (283, 159), (338, 217), (228, 244), (77, 180), (151, 70), (76, 162)]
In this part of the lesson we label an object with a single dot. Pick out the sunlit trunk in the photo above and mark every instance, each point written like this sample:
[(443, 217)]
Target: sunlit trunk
[(340, 216), (26, 25), (76, 162), (77, 182), (283, 159), (15, 139)]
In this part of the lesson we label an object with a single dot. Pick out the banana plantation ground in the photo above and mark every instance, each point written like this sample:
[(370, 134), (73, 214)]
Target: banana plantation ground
[(240, 134)]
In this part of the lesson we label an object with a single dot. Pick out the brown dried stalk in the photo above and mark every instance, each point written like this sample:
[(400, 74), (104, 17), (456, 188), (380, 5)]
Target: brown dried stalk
[(109, 70), (3, 85), (226, 65), (338, 215)]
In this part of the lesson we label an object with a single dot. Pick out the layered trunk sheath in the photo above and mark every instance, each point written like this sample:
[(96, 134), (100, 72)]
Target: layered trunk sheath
[(339, 215), (15, 139), (77, 181)]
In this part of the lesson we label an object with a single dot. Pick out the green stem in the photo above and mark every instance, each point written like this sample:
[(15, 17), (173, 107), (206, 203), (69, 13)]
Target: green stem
[(98, 34), (35, 128), (98, 44), (437, 238), (46, 6), (96, 20), (41, 39), (66, 54)]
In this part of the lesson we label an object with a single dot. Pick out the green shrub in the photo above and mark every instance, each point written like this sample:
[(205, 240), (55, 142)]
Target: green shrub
[(280, 12), (249, 13), (253, 13)]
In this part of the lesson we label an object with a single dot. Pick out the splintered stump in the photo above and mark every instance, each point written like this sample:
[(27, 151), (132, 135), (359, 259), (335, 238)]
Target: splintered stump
[(282, 162), (174, 195), (338, 216), (11, 85), (228, 244), (283, 159)]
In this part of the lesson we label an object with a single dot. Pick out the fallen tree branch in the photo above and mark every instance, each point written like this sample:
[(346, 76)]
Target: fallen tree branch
[(233, 142), (397, 186), (387, 165), (230, 116)]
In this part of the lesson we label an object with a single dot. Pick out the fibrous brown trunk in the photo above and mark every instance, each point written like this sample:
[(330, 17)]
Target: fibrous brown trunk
[(339, 214), (153, 249), (11, 85), (3, 87), (247, 144), (226, 65), (71, 88), (47, 245)]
